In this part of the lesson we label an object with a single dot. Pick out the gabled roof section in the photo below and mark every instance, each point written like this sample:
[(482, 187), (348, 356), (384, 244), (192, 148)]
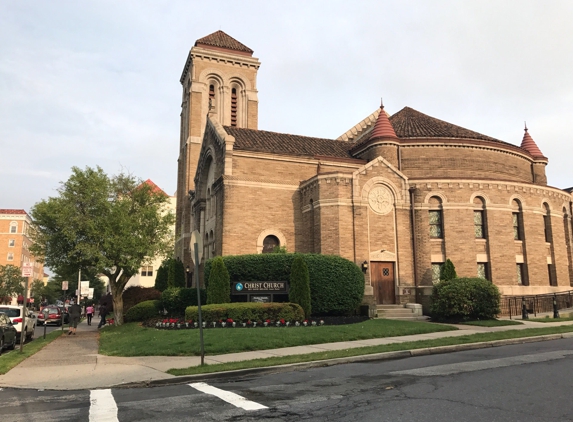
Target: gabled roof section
[(154, 187), (283, 143), (363, 127), (410, 123), (530, 146), (220, 39)]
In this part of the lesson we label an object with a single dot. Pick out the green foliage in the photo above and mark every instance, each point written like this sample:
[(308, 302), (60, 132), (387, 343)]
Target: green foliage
[(110, 225), (242, 312), (137, 294), (176, 299), (176, 273), (11, 281), (448, 271), (219, 286), (143, 311), (37, 291), (336, 284), (162, 277), (279, 249), (299, 289), (463, 299), (71, 276)]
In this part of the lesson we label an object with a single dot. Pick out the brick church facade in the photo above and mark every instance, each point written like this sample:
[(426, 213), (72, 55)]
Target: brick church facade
[(396, 194)]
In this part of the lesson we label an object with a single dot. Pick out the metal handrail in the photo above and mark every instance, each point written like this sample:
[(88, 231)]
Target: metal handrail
[(512, 305)]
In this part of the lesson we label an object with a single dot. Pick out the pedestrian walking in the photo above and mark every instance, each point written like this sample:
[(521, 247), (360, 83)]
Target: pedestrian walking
[(90, 313), (75, 314), (102, 314)]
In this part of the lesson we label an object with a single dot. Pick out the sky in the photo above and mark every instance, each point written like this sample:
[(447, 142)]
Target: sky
[(96, 83)]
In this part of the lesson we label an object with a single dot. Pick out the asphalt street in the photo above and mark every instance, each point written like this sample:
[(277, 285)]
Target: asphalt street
[(526, 382)]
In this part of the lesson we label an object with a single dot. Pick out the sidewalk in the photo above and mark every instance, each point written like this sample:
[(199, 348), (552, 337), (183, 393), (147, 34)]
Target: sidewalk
[(73, 362)]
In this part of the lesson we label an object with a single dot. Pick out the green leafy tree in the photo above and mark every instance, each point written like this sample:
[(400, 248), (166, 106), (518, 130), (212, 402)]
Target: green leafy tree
[(176, 273), (449, 271), (299, 290), (11, 282), (162, 276), (37, 291), (109, 225), (219, 287), (71, 276)]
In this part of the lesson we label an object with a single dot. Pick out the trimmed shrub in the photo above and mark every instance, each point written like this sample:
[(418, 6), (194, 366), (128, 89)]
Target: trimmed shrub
[(242, 312), (161, 277), (143, 311), (176, 273), (299, 290), (449, 271), (137, 294), (175, 299), (219, 286), (464, 299), (336, 284)]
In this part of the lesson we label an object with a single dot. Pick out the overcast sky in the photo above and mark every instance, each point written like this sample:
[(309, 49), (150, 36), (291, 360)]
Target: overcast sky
[(86, 83)]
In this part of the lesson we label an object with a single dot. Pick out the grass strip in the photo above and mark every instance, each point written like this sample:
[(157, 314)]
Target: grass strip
[(134, 340), (448, 341), (492, 323), (10, 360), (547, 319)]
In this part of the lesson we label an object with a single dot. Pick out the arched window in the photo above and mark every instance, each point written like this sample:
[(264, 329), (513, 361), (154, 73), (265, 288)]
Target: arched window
[(436, 218), (270, 243), (211, 97), (234, 107)]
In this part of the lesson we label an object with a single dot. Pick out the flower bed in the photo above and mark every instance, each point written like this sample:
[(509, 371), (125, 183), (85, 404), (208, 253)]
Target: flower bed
[(181, 324)]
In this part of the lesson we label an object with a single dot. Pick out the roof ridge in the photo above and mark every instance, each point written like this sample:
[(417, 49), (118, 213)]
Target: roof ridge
[(358, 129), (221, 39)]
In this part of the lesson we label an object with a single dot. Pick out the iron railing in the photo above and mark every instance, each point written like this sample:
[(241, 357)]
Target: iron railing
[(535, 304)]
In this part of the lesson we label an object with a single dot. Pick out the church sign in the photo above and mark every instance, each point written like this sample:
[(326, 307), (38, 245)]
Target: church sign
[(259, 291)]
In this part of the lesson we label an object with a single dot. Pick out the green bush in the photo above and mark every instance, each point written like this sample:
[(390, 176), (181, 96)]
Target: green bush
[(448, 271), (299, 289), (175, 273), (137, 294), (336, 284), (175, 299), (242, 312), (143, 311), (464, 299), (161, 277), (219, 286)]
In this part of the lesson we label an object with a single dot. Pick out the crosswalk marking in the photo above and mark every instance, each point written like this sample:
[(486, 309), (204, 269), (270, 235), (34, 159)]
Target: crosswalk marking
[(227, 396), (102, 406)]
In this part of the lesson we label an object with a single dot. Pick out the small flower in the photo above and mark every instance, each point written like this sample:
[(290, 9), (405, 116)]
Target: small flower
[(234, 323), (282, 321), (178, 325), (305, 323), (186, 325), (278, 323), (195, 324), (297, 324), (321, 322), (287, 323), (223, 324), (229, 320), (214, 324), (314, 323), (244, 324), (266, 323), (204, 324), (254, 324)]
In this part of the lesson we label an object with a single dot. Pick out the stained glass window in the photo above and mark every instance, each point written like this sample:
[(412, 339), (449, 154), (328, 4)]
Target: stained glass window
[(516, 228), (437, 272), (482, 270), (436, 224), (519, 268), (479, 226)]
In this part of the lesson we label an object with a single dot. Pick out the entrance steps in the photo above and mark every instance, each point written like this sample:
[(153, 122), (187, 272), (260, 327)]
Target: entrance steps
[(407, 312)]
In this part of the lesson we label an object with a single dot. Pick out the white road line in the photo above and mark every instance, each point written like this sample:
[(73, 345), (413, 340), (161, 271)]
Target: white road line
[(229, 397), (102, 406), (456, 368)]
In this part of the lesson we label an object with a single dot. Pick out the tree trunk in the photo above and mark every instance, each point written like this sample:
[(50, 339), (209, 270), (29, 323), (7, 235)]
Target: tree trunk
[(117, 296)]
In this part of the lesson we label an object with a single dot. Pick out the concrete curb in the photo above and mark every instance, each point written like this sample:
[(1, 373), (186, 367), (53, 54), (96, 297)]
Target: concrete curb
[(402, 354)]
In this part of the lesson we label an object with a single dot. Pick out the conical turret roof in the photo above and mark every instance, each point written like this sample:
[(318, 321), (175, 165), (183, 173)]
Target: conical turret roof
[(382, 128), (530, 146)]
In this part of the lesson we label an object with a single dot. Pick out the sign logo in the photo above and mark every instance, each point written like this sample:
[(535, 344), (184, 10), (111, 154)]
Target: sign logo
[(239, 287)]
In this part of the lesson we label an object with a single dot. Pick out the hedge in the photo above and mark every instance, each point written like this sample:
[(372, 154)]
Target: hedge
[(463, 299), (137, 294), (175, 299), (242, 312), (143, 311), (336, 284), (219, 286)]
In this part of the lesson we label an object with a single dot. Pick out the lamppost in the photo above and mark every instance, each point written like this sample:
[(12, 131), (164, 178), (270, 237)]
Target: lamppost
[(187, 273)]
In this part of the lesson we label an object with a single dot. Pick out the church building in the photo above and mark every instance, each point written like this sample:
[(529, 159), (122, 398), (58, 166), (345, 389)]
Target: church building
[(397, 194)]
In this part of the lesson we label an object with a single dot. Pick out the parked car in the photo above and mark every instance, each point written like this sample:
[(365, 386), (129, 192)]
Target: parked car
[(55, 315), (8, 333), (15, 313)]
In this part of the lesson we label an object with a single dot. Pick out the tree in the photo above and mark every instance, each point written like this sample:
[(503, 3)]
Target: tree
[(299, 290), (37, 291), (219, 287), (11, 282), (449, 271), (162, 276), (108, 225), (176, 273)]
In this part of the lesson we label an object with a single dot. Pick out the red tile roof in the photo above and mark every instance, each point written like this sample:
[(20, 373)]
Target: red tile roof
[(154, 187), (530, 146), (382, 128), (283, 143), (12, 211), (221, 40)]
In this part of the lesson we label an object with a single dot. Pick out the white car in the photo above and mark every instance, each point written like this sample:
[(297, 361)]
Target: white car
[(15, 312)]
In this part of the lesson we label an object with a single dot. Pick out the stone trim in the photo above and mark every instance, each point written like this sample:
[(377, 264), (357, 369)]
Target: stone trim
[(274, 232)]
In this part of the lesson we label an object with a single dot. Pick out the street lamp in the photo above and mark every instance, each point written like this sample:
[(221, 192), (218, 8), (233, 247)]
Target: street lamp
[(188, 273)]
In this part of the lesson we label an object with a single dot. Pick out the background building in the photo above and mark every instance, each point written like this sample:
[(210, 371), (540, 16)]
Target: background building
[(399, 194)]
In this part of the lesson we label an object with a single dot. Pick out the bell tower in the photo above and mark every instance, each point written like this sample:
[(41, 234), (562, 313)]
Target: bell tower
[(220, 80)]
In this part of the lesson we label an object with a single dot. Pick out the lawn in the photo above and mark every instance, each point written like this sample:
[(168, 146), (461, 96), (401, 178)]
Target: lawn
[(134, 340), (492, 323), (551, 319)]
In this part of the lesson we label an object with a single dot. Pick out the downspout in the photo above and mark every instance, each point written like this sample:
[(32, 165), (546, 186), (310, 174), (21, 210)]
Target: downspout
[(413, 225)]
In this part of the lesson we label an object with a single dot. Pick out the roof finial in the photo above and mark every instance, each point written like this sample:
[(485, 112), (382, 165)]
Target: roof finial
[(381, 102), (525, 126)]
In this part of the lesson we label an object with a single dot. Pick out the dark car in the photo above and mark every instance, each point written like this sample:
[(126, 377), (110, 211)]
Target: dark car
[(7, 333), (53, 315)]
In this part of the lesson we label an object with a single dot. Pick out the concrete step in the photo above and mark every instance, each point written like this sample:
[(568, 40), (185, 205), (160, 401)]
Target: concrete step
[(399, 312)]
